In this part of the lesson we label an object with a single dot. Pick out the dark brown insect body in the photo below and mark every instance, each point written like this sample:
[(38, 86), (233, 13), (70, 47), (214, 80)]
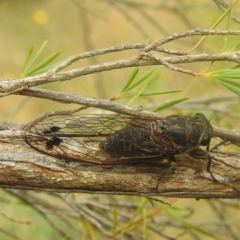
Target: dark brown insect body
[(109, 138), (171, 135)]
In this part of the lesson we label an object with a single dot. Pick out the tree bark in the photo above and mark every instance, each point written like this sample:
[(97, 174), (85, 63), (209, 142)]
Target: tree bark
[(21, 167)]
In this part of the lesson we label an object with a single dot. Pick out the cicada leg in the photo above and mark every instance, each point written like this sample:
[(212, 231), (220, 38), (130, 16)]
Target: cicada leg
[(199, 153), (203, 154), (171, 161)]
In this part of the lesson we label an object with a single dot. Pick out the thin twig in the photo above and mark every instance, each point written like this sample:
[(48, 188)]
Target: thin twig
[(224, 6), (10, 85), (29, 201)]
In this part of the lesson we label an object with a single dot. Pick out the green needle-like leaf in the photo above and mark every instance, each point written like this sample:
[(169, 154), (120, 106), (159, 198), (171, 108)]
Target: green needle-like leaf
[(175, 215), (223, 76), (36, 56), (231, 85), (168, 104), (44, 69), (137, 95), (43, 63), (26, 61), (129, 81), (145, 77), (229, 10), (159, 93)]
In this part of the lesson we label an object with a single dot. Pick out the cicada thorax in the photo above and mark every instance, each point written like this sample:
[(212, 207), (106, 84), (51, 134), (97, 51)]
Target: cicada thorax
[(191, 133), (188, 132)]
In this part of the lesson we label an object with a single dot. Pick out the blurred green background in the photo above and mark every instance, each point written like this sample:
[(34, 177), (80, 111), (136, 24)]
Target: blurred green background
[(77, 26)]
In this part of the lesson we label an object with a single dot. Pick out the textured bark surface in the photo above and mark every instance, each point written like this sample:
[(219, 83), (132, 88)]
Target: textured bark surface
[(21, 167)]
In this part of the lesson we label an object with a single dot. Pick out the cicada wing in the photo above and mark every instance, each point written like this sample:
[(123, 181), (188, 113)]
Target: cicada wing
[(79, 137)]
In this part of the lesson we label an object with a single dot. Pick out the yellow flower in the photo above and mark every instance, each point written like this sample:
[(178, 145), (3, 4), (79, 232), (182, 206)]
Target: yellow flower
[(40, 17)]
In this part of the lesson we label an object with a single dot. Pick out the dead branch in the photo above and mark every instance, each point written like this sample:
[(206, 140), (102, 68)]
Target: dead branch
[(23, 168)]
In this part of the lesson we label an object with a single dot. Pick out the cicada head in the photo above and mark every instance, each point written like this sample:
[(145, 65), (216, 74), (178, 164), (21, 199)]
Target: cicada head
[(206, 131)]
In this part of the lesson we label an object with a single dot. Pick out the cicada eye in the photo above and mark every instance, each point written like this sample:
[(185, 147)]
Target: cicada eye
[(206, 138), (199, 116)]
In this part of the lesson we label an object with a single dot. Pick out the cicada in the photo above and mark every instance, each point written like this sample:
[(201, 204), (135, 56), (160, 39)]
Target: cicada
[(105, 139)]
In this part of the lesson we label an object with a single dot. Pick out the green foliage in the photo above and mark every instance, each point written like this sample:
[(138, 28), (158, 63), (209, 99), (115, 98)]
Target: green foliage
[(228, 13), (168, 104), (143, 85), (29, 68), (176, 213), (223, 77)]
